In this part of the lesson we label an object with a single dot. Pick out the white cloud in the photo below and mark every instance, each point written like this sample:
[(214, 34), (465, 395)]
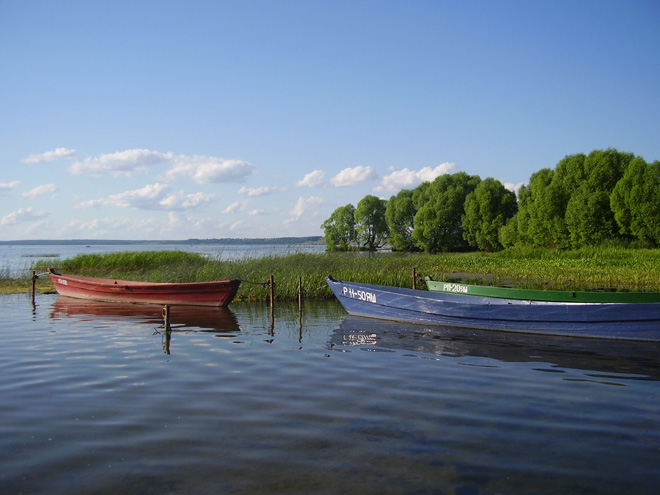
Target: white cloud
[(8, 186), (305, 205), (100, 227), (174, 221), (40, 191), (202, 225), (50, 156), (153, 197), (236, 225), (189, 226), (209, 169), (514, 187), (128, 162), (202, 169), (235, 207), (352, 176), (232, 208), (405, 178), (22, 215), (40, 225), (313, 179), (260, 191), (256, 211), (179, 201)]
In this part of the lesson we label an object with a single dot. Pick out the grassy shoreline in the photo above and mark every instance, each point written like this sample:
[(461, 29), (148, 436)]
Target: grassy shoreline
[(596, 268)]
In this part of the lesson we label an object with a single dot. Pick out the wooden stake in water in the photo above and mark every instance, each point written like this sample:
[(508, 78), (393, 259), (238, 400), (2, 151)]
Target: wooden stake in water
[(299, 309), (414, 278), (166, 318), (34, 286), (271, 284), (168, 329)]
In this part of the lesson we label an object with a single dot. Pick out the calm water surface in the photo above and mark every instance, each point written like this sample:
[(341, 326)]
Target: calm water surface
[(99, 398)]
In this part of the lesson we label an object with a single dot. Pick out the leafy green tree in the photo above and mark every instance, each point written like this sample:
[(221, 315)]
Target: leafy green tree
[(420, 194), (569, 206), (589, 216), (519, 224), (624, 196), (535, 218), (604, 168), (438, 221), (400, 218), (648, 226), (339, 229), (635, 202), (508, 234), (487, 210), (370, 225), (543, 206)]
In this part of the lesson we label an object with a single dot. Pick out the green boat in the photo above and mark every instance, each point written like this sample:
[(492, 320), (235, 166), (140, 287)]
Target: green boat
[(542, 295)]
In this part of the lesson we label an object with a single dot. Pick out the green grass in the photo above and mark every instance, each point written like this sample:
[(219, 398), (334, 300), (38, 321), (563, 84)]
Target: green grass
[(626, 269)]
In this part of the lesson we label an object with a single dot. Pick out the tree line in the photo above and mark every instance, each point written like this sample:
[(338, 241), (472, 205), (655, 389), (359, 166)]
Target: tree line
[(606, 196)]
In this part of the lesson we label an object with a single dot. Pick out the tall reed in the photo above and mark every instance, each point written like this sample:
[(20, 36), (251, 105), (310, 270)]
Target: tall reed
[(571, 270)]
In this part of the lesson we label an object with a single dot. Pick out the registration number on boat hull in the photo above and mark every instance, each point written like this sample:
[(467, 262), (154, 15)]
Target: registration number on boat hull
[(361, 295), (455, 288)]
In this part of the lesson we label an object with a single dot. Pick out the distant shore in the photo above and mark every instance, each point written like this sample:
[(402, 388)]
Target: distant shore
[(127, 242)]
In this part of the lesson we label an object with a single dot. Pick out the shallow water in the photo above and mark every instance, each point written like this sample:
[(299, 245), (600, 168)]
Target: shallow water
[(100, 398)]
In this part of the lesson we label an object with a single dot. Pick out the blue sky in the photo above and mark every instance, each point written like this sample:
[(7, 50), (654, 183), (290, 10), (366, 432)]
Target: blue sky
[(205, 119)]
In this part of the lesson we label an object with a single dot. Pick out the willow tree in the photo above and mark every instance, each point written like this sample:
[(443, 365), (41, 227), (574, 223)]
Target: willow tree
[(487, 210), (370, 225), (339, 229), (635, 202), (589, 216), (400, 217), (438, 222), (570, 205)]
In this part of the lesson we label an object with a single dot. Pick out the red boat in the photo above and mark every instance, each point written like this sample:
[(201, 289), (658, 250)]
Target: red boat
[(219, 293)]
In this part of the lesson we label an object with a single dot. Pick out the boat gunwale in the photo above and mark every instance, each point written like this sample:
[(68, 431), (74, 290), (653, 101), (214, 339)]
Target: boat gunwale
[(540, 295), (216, 293), (115, 282)]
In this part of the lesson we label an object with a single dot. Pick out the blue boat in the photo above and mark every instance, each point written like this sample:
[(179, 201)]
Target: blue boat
[(629, 321)]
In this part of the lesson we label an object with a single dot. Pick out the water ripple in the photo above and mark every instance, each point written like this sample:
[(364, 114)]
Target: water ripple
[(95, 401)]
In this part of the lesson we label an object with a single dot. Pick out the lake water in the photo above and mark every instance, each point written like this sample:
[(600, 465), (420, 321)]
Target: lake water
[(17, 259), (99, 398)]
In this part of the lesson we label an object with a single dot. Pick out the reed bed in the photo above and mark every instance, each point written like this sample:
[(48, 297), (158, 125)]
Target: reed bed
[(594, 268)]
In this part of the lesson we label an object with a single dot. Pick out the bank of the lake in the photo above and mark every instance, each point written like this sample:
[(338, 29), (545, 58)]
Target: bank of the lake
[(595, 268)]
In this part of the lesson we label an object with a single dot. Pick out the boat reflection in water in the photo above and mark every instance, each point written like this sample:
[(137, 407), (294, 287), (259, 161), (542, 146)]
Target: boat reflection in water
[(218, 320), (637, 360)]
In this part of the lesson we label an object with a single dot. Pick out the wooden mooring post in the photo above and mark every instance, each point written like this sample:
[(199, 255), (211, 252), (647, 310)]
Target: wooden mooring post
[(271, 286), (299, 309), (414, 270), (34, 287), (168, 329), (166, 317)]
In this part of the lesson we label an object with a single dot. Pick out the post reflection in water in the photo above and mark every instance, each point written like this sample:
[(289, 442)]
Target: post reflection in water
[(220, 321)]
